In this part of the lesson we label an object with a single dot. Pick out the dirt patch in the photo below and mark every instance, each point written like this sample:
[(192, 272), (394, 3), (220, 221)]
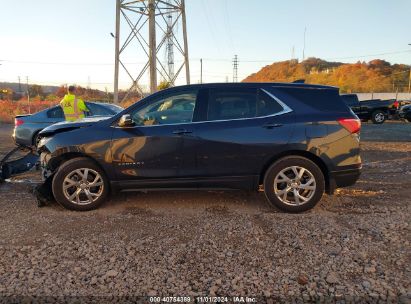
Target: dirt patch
[(355, 243)]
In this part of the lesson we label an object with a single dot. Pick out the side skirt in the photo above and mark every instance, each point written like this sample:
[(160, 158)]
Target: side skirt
[(205, 183)]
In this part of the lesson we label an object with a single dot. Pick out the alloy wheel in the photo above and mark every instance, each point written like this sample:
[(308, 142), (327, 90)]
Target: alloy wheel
[(83, 186), (294, 185), (380, 117)]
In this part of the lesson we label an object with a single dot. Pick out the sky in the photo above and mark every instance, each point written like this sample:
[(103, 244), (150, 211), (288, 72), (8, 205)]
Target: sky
[(59, 42)]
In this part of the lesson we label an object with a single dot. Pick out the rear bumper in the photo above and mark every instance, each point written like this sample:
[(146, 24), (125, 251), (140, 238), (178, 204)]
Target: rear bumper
[(22, 137), (344, 178)]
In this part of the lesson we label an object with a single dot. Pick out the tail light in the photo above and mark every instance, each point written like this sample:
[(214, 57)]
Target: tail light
[(396, 104), (18, 122), (352, 125)]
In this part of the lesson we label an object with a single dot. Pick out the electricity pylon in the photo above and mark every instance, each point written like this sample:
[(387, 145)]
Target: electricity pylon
[(144, 19), (235, 69)]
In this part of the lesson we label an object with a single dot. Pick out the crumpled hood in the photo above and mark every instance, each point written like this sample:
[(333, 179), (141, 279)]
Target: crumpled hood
[(71, 125)]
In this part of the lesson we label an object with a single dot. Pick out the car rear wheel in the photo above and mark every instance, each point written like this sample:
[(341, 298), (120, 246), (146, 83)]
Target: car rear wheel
[(36, 139), (378, 117), (80, 185), (294, 184)]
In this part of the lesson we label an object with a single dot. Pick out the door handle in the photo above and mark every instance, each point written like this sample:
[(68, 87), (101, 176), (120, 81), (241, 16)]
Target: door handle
[(181, 132), (271, 125)]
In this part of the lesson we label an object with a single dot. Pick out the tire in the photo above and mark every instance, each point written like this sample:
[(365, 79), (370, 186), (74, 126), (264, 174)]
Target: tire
[(79, 194), (36, 139), (378, 117), (274, 186)]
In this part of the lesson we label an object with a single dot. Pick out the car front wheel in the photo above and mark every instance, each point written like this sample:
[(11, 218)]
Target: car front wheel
[(294, 184), (80, 185)]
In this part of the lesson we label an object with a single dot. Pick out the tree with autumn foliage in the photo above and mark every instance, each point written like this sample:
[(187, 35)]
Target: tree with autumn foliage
[(375, 76), (36, 91)]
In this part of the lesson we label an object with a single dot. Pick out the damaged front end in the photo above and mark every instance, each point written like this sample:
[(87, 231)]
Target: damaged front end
[(8, 169), (43, 192), (20, 165)]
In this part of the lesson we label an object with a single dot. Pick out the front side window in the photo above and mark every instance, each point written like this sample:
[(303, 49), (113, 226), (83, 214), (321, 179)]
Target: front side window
[(174, 109)]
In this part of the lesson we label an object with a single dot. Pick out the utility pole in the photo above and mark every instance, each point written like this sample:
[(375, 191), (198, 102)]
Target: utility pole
[(409, 79), (201, 70), (305, 30), (152, 27), (28, 93), (117, 51), (409, 82), (19, 85), (235, 69)]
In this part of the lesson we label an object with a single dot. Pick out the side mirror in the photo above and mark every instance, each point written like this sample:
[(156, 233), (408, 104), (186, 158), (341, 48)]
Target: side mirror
[(126, 121)]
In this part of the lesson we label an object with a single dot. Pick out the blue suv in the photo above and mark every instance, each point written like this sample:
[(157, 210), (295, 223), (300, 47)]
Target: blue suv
[(295, 141)]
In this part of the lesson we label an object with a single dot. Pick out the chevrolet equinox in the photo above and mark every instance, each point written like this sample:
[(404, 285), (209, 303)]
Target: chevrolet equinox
[(295, 141)]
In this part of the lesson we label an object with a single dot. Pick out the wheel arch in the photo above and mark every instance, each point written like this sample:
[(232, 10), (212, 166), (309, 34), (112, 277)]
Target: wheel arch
[(59, 160), (35, 134), (314, 158)]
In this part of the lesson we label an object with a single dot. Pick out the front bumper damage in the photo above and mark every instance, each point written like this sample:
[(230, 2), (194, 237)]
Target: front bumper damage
[(23, 164)]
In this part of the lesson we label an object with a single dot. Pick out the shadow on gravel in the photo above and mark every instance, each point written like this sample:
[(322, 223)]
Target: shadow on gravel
[(213, 202)]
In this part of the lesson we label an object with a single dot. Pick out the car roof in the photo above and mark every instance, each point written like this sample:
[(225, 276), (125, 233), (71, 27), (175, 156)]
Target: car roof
[(254, 84)]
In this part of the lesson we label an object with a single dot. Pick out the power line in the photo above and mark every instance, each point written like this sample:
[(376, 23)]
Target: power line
[(370, 55), (193, 58), (210, 24), (228, 25), (305, 31)]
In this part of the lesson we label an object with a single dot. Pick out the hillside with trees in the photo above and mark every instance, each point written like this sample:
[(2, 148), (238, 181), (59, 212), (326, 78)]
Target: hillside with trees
[(374, 76)]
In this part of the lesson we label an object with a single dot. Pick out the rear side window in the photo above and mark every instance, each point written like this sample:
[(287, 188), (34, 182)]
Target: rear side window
[(224, 104), (56, 112), (321, 99), (266, 105)]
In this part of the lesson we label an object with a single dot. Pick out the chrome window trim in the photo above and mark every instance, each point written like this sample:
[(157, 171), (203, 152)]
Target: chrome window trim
[(286, 109)]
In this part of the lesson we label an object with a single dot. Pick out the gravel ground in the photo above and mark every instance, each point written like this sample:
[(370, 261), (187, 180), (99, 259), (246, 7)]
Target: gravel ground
[(353, 247)]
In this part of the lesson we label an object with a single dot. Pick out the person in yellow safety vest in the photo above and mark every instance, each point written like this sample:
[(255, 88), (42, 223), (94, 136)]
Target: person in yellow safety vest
[(73, 107)]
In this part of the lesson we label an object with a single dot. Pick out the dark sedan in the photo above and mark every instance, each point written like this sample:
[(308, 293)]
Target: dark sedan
[(27, 127)]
